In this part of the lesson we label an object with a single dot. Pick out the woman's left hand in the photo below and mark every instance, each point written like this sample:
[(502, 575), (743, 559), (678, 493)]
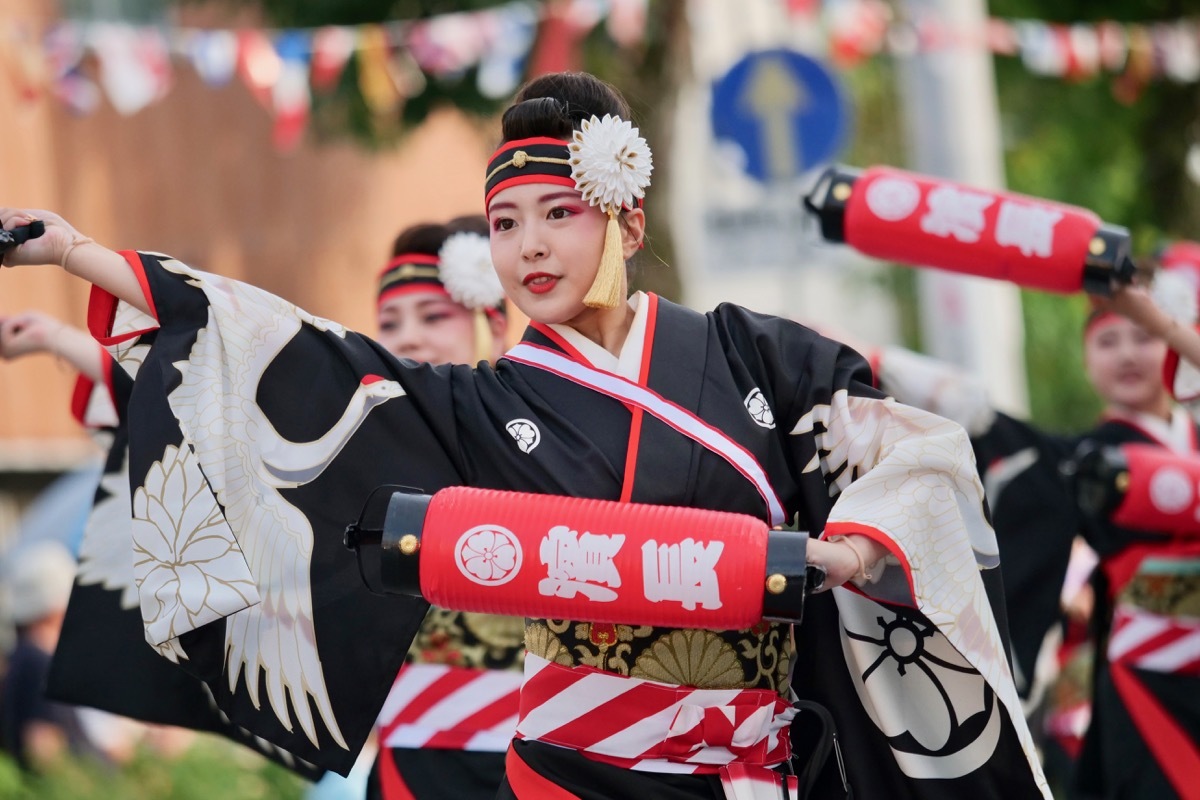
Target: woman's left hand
[(839, 559)]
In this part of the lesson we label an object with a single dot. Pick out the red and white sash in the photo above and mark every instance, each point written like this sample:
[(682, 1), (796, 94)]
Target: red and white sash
[(664, 410), (1154, 642), (451, 708), (650, 726)]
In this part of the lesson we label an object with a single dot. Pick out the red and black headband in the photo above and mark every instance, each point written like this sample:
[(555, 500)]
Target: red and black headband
[(410, 272), (538, 160)]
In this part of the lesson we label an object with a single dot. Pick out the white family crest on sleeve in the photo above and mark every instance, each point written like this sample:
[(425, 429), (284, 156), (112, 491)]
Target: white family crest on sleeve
[(525, 434), (685, 572), (247, 462), (760, 411), (580, 564)]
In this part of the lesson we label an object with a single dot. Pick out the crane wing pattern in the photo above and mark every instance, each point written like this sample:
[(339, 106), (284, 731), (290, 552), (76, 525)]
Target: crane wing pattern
[(270, 638), (908, 476)]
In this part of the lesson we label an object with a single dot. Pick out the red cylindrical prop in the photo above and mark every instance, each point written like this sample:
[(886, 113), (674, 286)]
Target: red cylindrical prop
[(1160, 491), (556, 557), (923, 221)]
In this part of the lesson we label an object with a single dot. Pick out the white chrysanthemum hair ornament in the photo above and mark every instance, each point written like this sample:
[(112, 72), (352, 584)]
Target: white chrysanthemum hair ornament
[(607, 161), (611, 165)]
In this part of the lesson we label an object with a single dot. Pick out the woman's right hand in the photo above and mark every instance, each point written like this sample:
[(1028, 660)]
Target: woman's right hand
[(47, 248)]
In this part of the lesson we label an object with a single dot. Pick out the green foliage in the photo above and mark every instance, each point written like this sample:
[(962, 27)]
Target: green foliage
[(211, 768), (1108, 145)]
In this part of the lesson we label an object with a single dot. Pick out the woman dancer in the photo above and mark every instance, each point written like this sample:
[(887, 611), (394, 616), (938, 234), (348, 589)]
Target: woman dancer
[(769, 419)]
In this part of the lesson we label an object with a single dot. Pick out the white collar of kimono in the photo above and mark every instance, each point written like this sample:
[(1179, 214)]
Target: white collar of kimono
[(628, 363), (1176, 434)]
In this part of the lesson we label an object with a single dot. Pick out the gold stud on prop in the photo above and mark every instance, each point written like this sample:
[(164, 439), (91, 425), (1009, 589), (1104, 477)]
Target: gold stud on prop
[(606, 289), (409, 544), (1096, 246), (841, 192), (776, 583), (1122, 481)]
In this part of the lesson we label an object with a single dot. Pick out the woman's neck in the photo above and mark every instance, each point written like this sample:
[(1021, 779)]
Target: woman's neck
[(607, 327)]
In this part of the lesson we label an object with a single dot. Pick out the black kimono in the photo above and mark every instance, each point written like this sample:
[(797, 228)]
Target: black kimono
[(291, 421)]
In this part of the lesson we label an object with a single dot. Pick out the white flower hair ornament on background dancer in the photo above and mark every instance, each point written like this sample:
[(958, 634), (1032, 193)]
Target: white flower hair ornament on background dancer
[(611, 165), (1176, 295), (465, 267)]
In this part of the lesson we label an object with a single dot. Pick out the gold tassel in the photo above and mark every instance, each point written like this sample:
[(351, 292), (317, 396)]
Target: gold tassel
[(606, 289), (483, 337)]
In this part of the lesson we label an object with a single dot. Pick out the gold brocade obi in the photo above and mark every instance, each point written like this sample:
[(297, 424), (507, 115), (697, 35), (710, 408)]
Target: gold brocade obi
[(756, 658), (464, 639), (1166, 586)]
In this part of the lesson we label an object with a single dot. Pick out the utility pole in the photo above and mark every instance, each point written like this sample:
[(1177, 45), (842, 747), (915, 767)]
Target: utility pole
[(948, 93)]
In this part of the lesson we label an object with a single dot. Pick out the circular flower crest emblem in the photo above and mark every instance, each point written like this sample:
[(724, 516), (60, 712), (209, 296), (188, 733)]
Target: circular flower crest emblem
[(465, 267), (610, 163), (488, 555)]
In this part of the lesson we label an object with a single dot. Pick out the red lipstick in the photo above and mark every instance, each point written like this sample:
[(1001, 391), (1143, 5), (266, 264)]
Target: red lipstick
[(540, 282)]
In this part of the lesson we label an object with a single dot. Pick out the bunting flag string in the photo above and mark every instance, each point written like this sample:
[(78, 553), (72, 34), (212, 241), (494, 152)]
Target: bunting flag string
[(79, 62), (283, 67)]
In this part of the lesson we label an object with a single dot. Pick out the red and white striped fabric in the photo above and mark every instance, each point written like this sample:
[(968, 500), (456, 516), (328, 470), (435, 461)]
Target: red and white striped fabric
[(1154, 642), (451, 708), (654, 727)]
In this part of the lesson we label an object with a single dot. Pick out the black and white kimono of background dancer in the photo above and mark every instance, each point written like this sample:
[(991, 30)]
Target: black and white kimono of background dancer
[(102, 659), (292, 421), (1144, 737)]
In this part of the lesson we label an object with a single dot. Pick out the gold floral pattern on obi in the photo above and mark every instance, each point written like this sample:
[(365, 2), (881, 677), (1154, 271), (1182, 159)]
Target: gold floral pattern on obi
[(691, 658), (480, 641), (1170, 587), (755, 658), (541, 641)]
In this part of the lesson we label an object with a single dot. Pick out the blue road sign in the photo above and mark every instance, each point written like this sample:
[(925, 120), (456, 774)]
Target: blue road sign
[(783, 109)]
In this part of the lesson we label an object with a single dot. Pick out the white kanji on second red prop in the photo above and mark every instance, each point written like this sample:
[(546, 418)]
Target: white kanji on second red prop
[(1027, 227), (580, 564), (685, 572), (956, 212)]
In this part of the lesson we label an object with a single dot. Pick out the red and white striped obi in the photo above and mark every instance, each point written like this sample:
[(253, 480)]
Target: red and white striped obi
[(655, 727), (451, 708), (1155, 642)]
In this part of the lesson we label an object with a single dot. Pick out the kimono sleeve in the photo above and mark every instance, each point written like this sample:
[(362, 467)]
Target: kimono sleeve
[(259, 431), (101, 659), (907, 479), (1032, 515)]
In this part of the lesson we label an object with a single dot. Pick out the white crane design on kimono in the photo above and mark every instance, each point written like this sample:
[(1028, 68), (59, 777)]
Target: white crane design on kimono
[(246, 462)]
